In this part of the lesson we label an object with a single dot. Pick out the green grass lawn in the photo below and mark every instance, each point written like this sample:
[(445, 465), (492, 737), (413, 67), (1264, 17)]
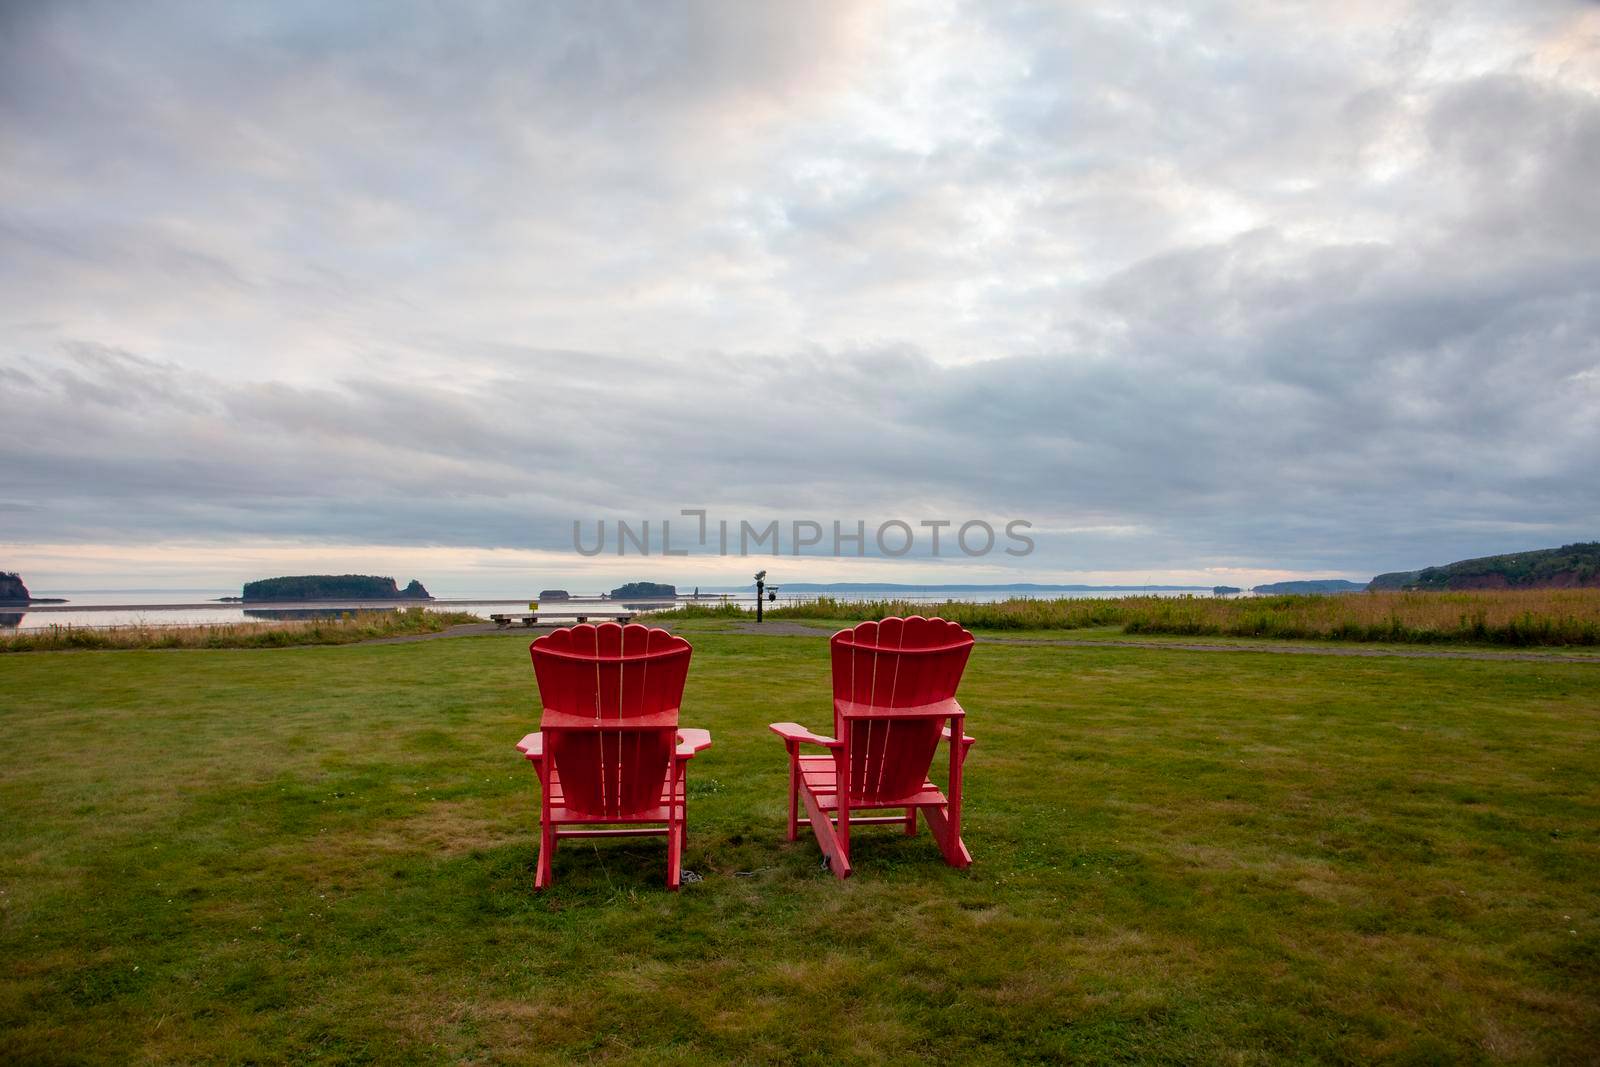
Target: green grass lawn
[(326, 854)]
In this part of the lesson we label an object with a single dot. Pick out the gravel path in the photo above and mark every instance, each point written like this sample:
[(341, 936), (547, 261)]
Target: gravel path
[(476, 629), (780, 628), (795, 629)]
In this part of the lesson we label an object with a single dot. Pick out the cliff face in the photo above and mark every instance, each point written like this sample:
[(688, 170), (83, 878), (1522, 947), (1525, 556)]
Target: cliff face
[(12, 591), (332, 587), (1575, 566)]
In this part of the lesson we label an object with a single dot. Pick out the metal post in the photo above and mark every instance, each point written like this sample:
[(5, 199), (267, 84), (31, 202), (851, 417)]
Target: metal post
[(761, 588)]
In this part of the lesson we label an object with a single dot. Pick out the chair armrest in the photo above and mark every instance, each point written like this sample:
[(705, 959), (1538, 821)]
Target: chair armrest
[(532, 746), (945, 734), (691, 741), (793, 733)]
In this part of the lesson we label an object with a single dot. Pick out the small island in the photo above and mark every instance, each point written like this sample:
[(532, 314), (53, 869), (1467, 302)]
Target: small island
[(331, 587), (547, 596), (1225, 590), (14, 593), (644, 591), (1319, 586)]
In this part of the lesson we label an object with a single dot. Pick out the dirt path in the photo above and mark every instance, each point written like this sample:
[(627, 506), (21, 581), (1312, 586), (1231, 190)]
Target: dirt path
[(794, 629), (466, 629), (1306, 650), (475, 629), (779, 628)]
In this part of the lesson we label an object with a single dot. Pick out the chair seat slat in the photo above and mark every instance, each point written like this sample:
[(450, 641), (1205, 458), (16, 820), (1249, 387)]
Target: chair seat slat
[(939, 709)]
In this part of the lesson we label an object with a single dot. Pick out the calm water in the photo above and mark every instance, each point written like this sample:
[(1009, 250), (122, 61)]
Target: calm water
[(191, 607)]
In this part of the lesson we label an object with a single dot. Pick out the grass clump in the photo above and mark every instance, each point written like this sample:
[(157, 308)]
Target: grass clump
[(342, 630)]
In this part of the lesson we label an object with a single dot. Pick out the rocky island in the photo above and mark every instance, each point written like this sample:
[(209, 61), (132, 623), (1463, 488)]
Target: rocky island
[(1318, 586), (13, 593), (331, 587), (644, 591)]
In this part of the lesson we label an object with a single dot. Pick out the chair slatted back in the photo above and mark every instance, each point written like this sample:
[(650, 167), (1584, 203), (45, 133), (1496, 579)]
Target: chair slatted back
[(632, 676), (895, 663)]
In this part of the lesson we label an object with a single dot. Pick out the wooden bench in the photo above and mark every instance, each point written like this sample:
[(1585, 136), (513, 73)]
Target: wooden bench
[(531, 618)]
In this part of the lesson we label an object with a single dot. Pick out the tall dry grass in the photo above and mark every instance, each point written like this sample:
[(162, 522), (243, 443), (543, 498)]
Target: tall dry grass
[(345, 629), (1500, 617)]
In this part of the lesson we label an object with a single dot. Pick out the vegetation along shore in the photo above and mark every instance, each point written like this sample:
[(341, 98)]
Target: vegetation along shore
[(343, 630), (1493, 617)]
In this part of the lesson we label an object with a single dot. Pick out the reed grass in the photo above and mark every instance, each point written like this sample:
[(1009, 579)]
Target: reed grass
[(1520, 617), (345, 629), (723, 610)]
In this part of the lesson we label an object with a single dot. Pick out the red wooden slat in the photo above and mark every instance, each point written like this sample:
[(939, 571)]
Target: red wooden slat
[(840, 651), (608, 671), (933, 651), (863, 662), (926, 670), (939, 709), (584, 658), (560, 720), (635, 670), (608, 698), (633, 646), (660, 645)]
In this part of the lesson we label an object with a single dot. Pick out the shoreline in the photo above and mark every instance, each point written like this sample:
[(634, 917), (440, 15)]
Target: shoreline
[(257, 605)]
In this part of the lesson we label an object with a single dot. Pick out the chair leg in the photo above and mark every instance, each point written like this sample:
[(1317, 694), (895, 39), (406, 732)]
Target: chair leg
[(948, 835), (794, 791), (674, 833), (675, 857), (683, 809), (542, 872), (842, 828), (911, 822), (837, 851)]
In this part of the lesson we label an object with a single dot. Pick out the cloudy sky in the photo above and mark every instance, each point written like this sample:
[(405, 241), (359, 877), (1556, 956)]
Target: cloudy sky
[(1206, 292)]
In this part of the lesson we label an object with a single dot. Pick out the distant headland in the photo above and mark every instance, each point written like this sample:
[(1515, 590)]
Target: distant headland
[(330, 587), (1574, 566)]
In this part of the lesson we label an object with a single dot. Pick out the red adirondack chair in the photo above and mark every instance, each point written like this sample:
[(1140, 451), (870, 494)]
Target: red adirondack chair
[(609, 750), (894, 686)]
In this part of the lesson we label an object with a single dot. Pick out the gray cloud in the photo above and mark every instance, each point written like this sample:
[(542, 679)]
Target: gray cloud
[(1242, 293)]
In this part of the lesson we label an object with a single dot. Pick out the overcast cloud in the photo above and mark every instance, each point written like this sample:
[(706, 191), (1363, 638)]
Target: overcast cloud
[(1307, 289)]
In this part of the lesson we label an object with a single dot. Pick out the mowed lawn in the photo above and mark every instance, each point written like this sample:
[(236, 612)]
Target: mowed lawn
[(326, 855)]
